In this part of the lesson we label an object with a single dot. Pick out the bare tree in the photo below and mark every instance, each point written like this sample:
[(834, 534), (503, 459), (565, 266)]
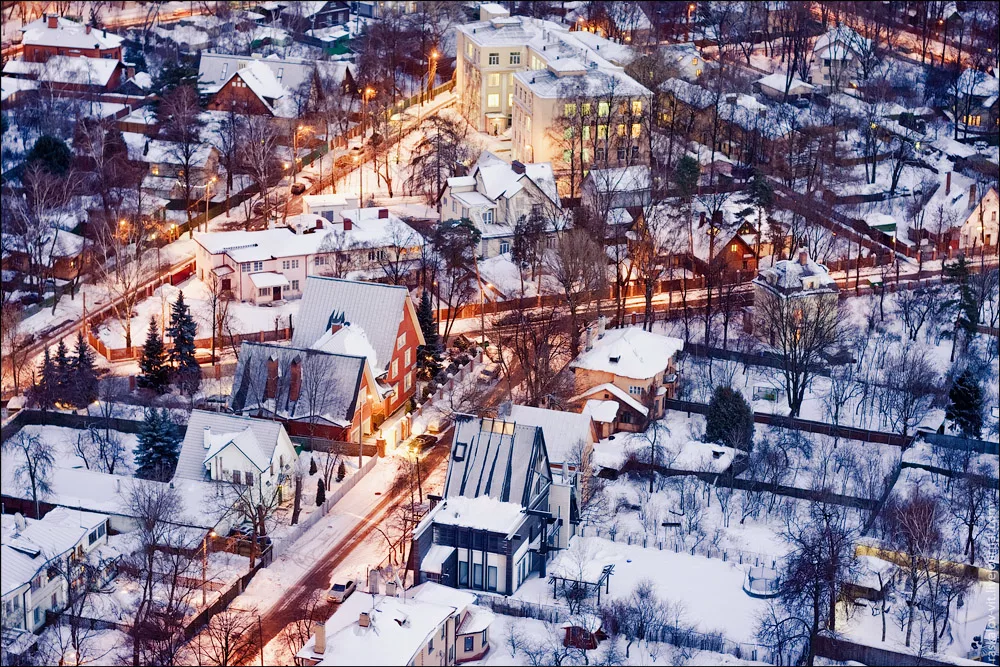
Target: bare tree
[(540, 346), (258, 158), (908, 389), (578, 264), (297, 633), (972, 501), (399, 251), (337, 254), (228, 637), (14, 341), (34, 459), (180, 113)]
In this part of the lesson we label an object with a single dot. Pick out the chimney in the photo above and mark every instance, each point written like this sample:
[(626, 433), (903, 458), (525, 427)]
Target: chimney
[(374, 581), (433, 499), (972, 195), (602, 322), (364, 620), (716, 217), (336, 326), (947, 184), (295, 380), (390, 588), (701, 219), (383, 214), (86, 29), (730, 99), (53, 21), (517, 166), (348, 224), (803, 256), (319, 632), (762, 113)]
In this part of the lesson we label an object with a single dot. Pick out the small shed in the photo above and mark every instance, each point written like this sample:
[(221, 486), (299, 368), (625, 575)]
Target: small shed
[(583, 631)]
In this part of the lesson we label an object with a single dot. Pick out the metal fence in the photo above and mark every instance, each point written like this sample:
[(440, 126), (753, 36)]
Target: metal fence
[(311, 520)]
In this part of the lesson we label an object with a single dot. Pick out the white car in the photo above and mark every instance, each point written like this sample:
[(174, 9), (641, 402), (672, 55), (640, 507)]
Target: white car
[(341, 591)]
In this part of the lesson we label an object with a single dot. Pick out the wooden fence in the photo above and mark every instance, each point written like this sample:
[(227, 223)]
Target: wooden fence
[(841, 650), (222, 342)]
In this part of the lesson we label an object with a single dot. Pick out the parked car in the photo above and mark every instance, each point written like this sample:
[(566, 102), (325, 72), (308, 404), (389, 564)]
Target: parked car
[(489, 373), (298, 188), (801, 103), (340, 591), (438, 425), (29, 299), (423, 442)]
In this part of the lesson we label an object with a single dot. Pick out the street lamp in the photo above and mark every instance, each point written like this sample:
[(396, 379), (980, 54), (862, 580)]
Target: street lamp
[(207, 186), (361, 179), (431, 70), (204, 566)]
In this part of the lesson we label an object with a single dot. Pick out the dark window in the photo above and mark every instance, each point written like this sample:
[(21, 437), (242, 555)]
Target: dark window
[(477, 575), (491, 578), (237, 478), (463, 573), (469, 642)]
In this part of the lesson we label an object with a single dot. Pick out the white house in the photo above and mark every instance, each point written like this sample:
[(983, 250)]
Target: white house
[(836, 58), (773, 85), (980, 229), (39, 560), (496, 195), (241, 450), (272, 264), (429, 624)]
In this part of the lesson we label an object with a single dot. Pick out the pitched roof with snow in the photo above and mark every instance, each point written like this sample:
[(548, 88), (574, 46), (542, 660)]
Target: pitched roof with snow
[(604, 411), (500, 180), (612, 390), (374, 308), (68, 35), (778, 80), (208, 433), (801, 275), (563, 431), (499, 459), (629, 352), (215, 69), (688, 93), (620, 179), (399, 628), (839, 43), (66, 69), (328, 389)]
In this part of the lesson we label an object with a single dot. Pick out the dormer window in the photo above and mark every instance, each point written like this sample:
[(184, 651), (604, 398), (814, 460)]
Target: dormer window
[(615, 359)]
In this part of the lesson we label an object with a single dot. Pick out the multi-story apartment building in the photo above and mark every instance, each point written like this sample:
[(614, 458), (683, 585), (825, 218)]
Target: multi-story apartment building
[(534, 77)]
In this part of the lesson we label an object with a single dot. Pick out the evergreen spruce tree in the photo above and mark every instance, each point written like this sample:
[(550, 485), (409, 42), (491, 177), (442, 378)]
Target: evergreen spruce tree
[(312, 465), (84, 373), (966, 407), (730, 419), (320, 492), (155, 373), (182, 330), (41, 391), (428, 364), (62, 388), (341, 472), (158, 448)]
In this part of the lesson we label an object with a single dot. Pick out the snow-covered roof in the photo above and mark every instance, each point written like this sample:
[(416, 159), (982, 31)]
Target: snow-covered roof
[(375, 308), (332, 401), (350, 340), (616, 391), (700, 456), (482, 513), (66, 69), (215, 69), (367, 231), (68, 35), (398, 628), (978, 84), (56, 244), (688, 93), (777, 82), (159, 151), (435, 558), (799, 275), (499, 179), (497, 458), (27, 548), (209, 432), (563, 431), (601, 411), (268, 279), (10, 86), (620, 179), (592, 82), (687, 59), (839, 43), (629, 352)]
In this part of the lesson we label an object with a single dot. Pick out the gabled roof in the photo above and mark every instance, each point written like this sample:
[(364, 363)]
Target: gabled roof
[(799, 275), (629, 352), (208, 433), (500, 180), (375, 308), (67, 34), (616, 391), (563, 431), (839, 42), (215, 69), (620, 179), (335, 396), (499, 459), (65, 69)]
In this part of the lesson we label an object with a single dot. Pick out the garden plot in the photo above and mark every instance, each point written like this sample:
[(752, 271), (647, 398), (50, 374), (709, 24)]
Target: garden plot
[(243, 317), (72, 448)]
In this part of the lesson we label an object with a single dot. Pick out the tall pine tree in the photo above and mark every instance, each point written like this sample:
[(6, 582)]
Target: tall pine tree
[(182, 330), (730, 419), (427, 354), (966, 407), (42, 390), (158, 448), (155, 373), (84, 373), (62, 391)]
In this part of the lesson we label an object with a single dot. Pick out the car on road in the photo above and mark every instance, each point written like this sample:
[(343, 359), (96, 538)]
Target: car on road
[(340, 591), (298, 188), (423, 442), (438, 425), (489, 373)]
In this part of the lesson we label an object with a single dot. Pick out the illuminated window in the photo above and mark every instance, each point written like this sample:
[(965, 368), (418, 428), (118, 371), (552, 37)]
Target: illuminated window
[(636, 107), (568, 133), (585, 108), (569, 109), (621, 129), (636, 130), (603, 109), (493, 80), (734, 248), (602, 131), (470, 50), (493, 100), (510, 99), (586, 132)]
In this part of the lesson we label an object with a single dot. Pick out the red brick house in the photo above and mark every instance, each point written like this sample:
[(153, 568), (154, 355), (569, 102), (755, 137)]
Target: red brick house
[(53, 35), (376, 320)]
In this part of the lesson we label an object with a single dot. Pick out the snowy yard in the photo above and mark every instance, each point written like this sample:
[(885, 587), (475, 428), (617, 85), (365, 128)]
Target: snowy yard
[(244, 317)]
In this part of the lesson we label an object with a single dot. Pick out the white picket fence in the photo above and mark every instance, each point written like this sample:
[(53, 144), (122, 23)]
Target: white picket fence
[(331, 500)]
